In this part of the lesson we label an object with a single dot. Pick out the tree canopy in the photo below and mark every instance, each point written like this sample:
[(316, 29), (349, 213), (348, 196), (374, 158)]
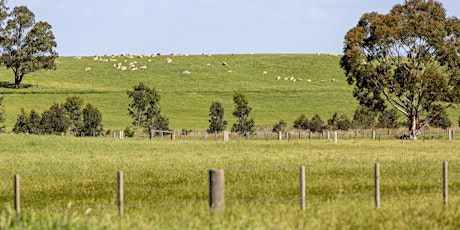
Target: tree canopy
[(408, 59), (26, 45)]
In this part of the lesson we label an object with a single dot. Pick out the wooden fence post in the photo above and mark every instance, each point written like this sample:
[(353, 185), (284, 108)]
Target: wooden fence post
[(216, 190), (445, 184), (120, 194), (335, 137), (226, 136), (302, 188), (280, 135), (377, 185), (17, 194)]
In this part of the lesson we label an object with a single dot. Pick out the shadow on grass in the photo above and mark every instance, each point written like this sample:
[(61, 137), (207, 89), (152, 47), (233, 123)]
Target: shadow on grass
[(10, 85)]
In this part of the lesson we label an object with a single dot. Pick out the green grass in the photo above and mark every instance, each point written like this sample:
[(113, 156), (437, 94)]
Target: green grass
[(186, 98), (70, 183)]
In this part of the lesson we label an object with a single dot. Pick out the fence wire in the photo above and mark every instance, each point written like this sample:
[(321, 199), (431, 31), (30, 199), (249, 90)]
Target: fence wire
[(144, 193)]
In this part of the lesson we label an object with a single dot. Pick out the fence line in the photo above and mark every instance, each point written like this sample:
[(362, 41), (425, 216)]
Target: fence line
[(331, 135), (217, 191)]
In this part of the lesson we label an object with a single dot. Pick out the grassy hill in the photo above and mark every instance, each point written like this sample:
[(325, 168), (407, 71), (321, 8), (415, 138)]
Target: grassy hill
[(186, 99)]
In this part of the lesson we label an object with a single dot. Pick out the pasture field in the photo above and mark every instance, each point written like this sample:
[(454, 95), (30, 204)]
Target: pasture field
[(70, 183), (186, 99)]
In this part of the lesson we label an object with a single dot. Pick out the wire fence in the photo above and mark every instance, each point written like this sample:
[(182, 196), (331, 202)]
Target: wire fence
[(154, 189), (267, 134)]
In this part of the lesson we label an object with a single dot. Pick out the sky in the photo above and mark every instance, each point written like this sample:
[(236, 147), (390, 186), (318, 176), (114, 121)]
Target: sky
[(90, 27)]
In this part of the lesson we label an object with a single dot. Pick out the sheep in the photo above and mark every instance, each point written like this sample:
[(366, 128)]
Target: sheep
[(123, 68), (87, 69), (134, 69), (300, 79), (292, 79), (286, 79), (333, 80), (322, 81), (77, 58), (309, 80), (278, 78), (186, 72), (168, 60), (224, 63), (143, 67), (229, 71), (150, 60), (209, 64), (264, 72), (112, 59)]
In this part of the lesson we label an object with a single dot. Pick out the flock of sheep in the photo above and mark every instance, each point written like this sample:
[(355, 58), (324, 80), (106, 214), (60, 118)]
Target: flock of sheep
[(133, 65)]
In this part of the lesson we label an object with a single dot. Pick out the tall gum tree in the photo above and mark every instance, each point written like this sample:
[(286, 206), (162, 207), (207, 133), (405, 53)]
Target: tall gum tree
[(27, 46), (408, 59)]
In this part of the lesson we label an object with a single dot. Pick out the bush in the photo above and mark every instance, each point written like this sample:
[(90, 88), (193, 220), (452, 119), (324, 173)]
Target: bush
[(302, 123), (364, 118), (279, 127), (92, 121), (388, 119), (316, 124), (54, 121)]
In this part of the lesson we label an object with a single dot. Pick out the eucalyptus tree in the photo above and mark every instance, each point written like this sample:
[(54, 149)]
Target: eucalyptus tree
[(408, 59)]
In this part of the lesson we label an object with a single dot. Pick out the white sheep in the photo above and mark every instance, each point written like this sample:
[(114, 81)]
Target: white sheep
[(168, 60), (87, 69), (186, 72), (264, 73), (278, 78), (143, 67), (229, 71)]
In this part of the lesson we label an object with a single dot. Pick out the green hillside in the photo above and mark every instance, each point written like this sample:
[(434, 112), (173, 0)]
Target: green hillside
[(186, 98)]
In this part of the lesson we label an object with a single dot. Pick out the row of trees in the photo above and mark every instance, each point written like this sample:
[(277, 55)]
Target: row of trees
[(146, 117), (61, 118)]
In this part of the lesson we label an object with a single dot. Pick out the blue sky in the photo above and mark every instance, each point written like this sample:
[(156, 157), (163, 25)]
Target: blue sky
[(89, 27)]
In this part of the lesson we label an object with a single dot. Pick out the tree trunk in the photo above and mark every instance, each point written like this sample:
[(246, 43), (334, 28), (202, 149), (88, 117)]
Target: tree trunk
[(415, 127), (17, 83)]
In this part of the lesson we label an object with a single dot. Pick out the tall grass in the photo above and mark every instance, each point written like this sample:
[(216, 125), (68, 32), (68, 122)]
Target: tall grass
[(69, 182)]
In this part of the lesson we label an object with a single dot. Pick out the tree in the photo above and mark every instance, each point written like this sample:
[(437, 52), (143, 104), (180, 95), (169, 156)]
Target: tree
[(73, 105), (27, 45), (54, 121), (279, 127), (22, 123), (28, 123), (144, 109), (364, 117), (341, 122), (216, 121), (244, 125), (2, 118), (407, 59), (439, 119), (316, 124), (388, 119), (302, 122), (92, 121)]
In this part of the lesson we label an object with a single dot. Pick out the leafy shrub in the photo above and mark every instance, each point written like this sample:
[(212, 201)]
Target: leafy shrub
[(302, 123), (279, 127)]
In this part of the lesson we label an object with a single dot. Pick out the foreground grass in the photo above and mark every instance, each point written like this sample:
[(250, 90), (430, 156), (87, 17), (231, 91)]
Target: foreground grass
[(70, 183)]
